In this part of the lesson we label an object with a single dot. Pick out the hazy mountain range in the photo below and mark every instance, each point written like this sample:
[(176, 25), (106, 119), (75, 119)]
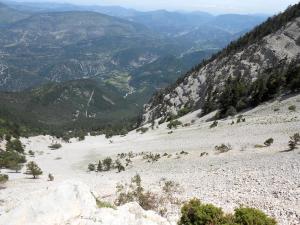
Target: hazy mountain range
[(134, 53)]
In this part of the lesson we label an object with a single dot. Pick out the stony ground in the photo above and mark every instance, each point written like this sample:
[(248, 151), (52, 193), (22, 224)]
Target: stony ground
[(267, 178)]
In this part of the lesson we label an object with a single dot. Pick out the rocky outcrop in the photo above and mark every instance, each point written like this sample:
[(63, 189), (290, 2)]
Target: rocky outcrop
[(248, 61), (72, 203)]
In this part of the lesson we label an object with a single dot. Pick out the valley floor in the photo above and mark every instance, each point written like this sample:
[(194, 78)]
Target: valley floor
[(267, 178)]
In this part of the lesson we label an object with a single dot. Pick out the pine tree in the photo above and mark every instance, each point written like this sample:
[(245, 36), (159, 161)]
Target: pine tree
[(33, 169), (99, 167)]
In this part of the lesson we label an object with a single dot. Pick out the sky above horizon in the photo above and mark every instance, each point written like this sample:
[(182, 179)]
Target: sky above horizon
[(213, 6)]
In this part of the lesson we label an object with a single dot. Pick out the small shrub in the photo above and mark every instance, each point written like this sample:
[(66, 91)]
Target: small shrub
[(55, 146), (214, 124), (81, 137), (3, 178), (292, 108), (196, 213), (119, 166), (161, 121), (50, 177), (135, 192), (276, 109), (269, 142), (240, 119), (107, 163), (223, 148), (31, 153), (259, 146), (102, 204), (128, 162), (231, 111), (174, 124), (294, 141), (183, 111), (252, 216), (99, 166), (203, 154), (142, 130), (184, 153), (33, 169), (150, 157), (91, 167)]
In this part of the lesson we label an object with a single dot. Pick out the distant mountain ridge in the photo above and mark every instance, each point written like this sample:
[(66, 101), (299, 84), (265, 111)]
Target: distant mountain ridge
[(259, 66)]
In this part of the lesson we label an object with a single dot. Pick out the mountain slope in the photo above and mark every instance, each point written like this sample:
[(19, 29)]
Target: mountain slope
[(73, 104), (257, 67), (8, 15)]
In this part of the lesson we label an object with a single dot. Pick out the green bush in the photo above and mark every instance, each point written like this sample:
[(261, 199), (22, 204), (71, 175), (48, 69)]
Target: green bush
[(214, 124), (102, 204), (33, 169), (223, 148), (142, 129), (231, 111), (55, 146), (183, 112), (251, 216), (31, 153), (3, 178), (294, 141), (174, 124), (196, 213), (135, 192), (99, 166), (107, 163), (269, 142), (119, 166), (91, 167), (292, 108)]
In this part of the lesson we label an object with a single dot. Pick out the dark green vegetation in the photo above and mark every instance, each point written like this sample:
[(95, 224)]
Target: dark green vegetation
[(13, 156), (107, 164), (269, 142), (197, 213), (238, 94), (174, 124), (79, 106), (294, 141), (55, 146)]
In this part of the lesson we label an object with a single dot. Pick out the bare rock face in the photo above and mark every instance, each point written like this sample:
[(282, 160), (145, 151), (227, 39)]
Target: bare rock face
[(72, 203), (276, 50)]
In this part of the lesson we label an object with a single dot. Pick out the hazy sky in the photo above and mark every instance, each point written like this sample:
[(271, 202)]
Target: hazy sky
[(215, 6)]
